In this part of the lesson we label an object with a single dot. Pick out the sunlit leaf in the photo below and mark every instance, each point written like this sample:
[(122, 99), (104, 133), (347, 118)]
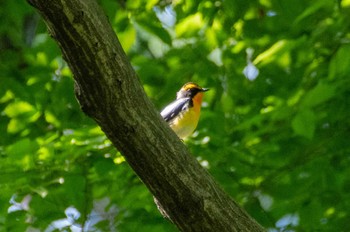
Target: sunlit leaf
[(340, 63), (190, 25), (276, 51), (21, 153), (17, 108), (127, 38)]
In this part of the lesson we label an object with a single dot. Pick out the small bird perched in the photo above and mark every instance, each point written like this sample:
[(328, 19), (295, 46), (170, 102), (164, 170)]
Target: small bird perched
[(182, 115)]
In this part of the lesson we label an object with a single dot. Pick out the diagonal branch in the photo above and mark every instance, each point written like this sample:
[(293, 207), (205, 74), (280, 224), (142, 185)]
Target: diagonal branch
[(109, 91)]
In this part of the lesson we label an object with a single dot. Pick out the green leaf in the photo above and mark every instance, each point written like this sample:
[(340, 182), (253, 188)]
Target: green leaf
[(21, 113), (22, 153), (311, 10), (304, 123), (340, 63), (277, 52), (320, 94), (127, 38), (155, 29), (190, 26), (17, 108)]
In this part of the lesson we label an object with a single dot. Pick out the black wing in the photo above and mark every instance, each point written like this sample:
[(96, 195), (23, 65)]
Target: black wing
[(174, 108)]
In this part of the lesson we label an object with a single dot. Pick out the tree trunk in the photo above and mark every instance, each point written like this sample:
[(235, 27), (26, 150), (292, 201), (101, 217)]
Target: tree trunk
[(109, 91)]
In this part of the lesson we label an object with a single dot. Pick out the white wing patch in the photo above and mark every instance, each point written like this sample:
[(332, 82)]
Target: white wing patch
[(174, 108)]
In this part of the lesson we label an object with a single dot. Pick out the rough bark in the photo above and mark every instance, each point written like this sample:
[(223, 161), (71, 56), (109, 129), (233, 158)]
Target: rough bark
[(109, 91)]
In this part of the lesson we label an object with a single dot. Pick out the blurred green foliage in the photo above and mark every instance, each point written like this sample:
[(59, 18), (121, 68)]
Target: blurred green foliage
[(275, 137)]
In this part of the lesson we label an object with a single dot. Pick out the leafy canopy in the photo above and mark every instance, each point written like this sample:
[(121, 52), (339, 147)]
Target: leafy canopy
[(274, 128)]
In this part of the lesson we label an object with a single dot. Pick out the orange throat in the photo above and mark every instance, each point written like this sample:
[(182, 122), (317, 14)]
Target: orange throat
[(197, 102)]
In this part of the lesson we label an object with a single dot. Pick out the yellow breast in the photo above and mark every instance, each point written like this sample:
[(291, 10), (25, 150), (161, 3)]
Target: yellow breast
[(185, 123)]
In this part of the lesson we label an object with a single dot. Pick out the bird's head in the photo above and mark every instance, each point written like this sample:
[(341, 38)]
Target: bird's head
[(191, 90)]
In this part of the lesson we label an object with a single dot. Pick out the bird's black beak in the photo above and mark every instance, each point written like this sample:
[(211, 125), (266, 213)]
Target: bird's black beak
[(205, 89)]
